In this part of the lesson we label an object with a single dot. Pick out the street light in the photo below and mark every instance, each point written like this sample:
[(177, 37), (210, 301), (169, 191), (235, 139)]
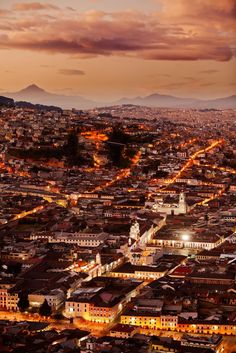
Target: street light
[(185, 237)]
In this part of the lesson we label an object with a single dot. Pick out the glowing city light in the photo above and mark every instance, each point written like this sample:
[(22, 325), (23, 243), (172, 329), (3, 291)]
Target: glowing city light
[(185, 237)]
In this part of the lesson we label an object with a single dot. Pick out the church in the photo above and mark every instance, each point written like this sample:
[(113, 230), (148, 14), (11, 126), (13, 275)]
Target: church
[(172, 208)]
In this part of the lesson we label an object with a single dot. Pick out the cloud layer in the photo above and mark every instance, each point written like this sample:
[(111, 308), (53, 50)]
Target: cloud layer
[(183, 30)]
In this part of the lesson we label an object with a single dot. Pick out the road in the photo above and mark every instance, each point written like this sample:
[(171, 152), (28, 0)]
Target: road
[(222, 169), (27, 213), (98, 330), (190, 161), (123, 174)]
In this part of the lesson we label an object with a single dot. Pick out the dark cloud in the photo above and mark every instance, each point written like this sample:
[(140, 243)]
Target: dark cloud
[(209, 71), (165, 75), (173, 85), (71, 72), (207, 84), (194, 82), (189, 78), (70, 8)]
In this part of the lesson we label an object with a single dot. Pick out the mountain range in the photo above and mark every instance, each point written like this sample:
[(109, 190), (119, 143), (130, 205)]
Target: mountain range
[(37, 95), (167, 101)]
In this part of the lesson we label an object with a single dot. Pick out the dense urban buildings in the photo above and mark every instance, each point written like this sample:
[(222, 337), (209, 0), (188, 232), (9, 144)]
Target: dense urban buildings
[(117, 176), (118, 223)]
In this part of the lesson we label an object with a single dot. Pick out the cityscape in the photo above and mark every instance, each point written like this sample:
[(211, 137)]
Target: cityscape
[(118, 215)]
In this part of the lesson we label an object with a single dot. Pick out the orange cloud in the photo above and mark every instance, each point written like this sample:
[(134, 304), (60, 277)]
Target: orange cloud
[(33, 6), (180, 32), (197, 7), (220, 14)]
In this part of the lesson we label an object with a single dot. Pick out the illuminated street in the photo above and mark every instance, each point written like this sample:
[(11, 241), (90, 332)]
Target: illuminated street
[(117, 176), (192, 158)]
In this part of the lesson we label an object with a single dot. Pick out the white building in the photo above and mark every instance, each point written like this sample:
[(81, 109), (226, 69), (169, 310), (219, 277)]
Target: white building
[(55, 298), (81, 239), (172, 208)]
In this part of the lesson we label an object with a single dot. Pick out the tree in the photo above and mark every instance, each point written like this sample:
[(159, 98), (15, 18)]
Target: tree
[(45, 309), (72, 143), (118, 151), (14, 268), (23, 302), (72, 149)]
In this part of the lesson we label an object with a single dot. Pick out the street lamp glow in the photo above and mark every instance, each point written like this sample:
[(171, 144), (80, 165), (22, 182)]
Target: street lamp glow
[(185, 237)]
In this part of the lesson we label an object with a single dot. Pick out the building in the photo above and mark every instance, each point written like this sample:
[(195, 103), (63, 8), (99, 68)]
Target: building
[(123, 331), (214, 342), (145, 273), (172, 209), (81, 239), (55, 298), (101, 302)]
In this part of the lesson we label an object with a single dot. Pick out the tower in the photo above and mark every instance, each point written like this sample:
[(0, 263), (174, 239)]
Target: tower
[(182, 203), (98, 259), (181, 198), (134, 231)]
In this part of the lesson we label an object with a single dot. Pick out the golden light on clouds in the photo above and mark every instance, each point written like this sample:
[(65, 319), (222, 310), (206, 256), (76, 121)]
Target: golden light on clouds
[(105, 50)]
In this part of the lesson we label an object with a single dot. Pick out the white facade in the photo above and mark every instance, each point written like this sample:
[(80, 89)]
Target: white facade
[(134, 231), (175, 208), (55, 298)]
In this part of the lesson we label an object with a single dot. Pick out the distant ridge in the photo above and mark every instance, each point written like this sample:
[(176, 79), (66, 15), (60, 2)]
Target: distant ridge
[(167, 101), (38, 95)]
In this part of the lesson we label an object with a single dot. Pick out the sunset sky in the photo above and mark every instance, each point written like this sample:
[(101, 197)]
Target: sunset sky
[(108, 49)]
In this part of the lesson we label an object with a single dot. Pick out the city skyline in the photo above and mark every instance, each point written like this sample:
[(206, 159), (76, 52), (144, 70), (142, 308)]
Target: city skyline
[(105, 50)]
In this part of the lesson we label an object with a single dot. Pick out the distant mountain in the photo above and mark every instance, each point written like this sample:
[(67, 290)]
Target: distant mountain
[(159, 100), (221, 103), (166, 101), (37, 95)]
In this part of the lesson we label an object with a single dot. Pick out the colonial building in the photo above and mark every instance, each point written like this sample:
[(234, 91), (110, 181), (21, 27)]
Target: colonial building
[(172, 208)]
